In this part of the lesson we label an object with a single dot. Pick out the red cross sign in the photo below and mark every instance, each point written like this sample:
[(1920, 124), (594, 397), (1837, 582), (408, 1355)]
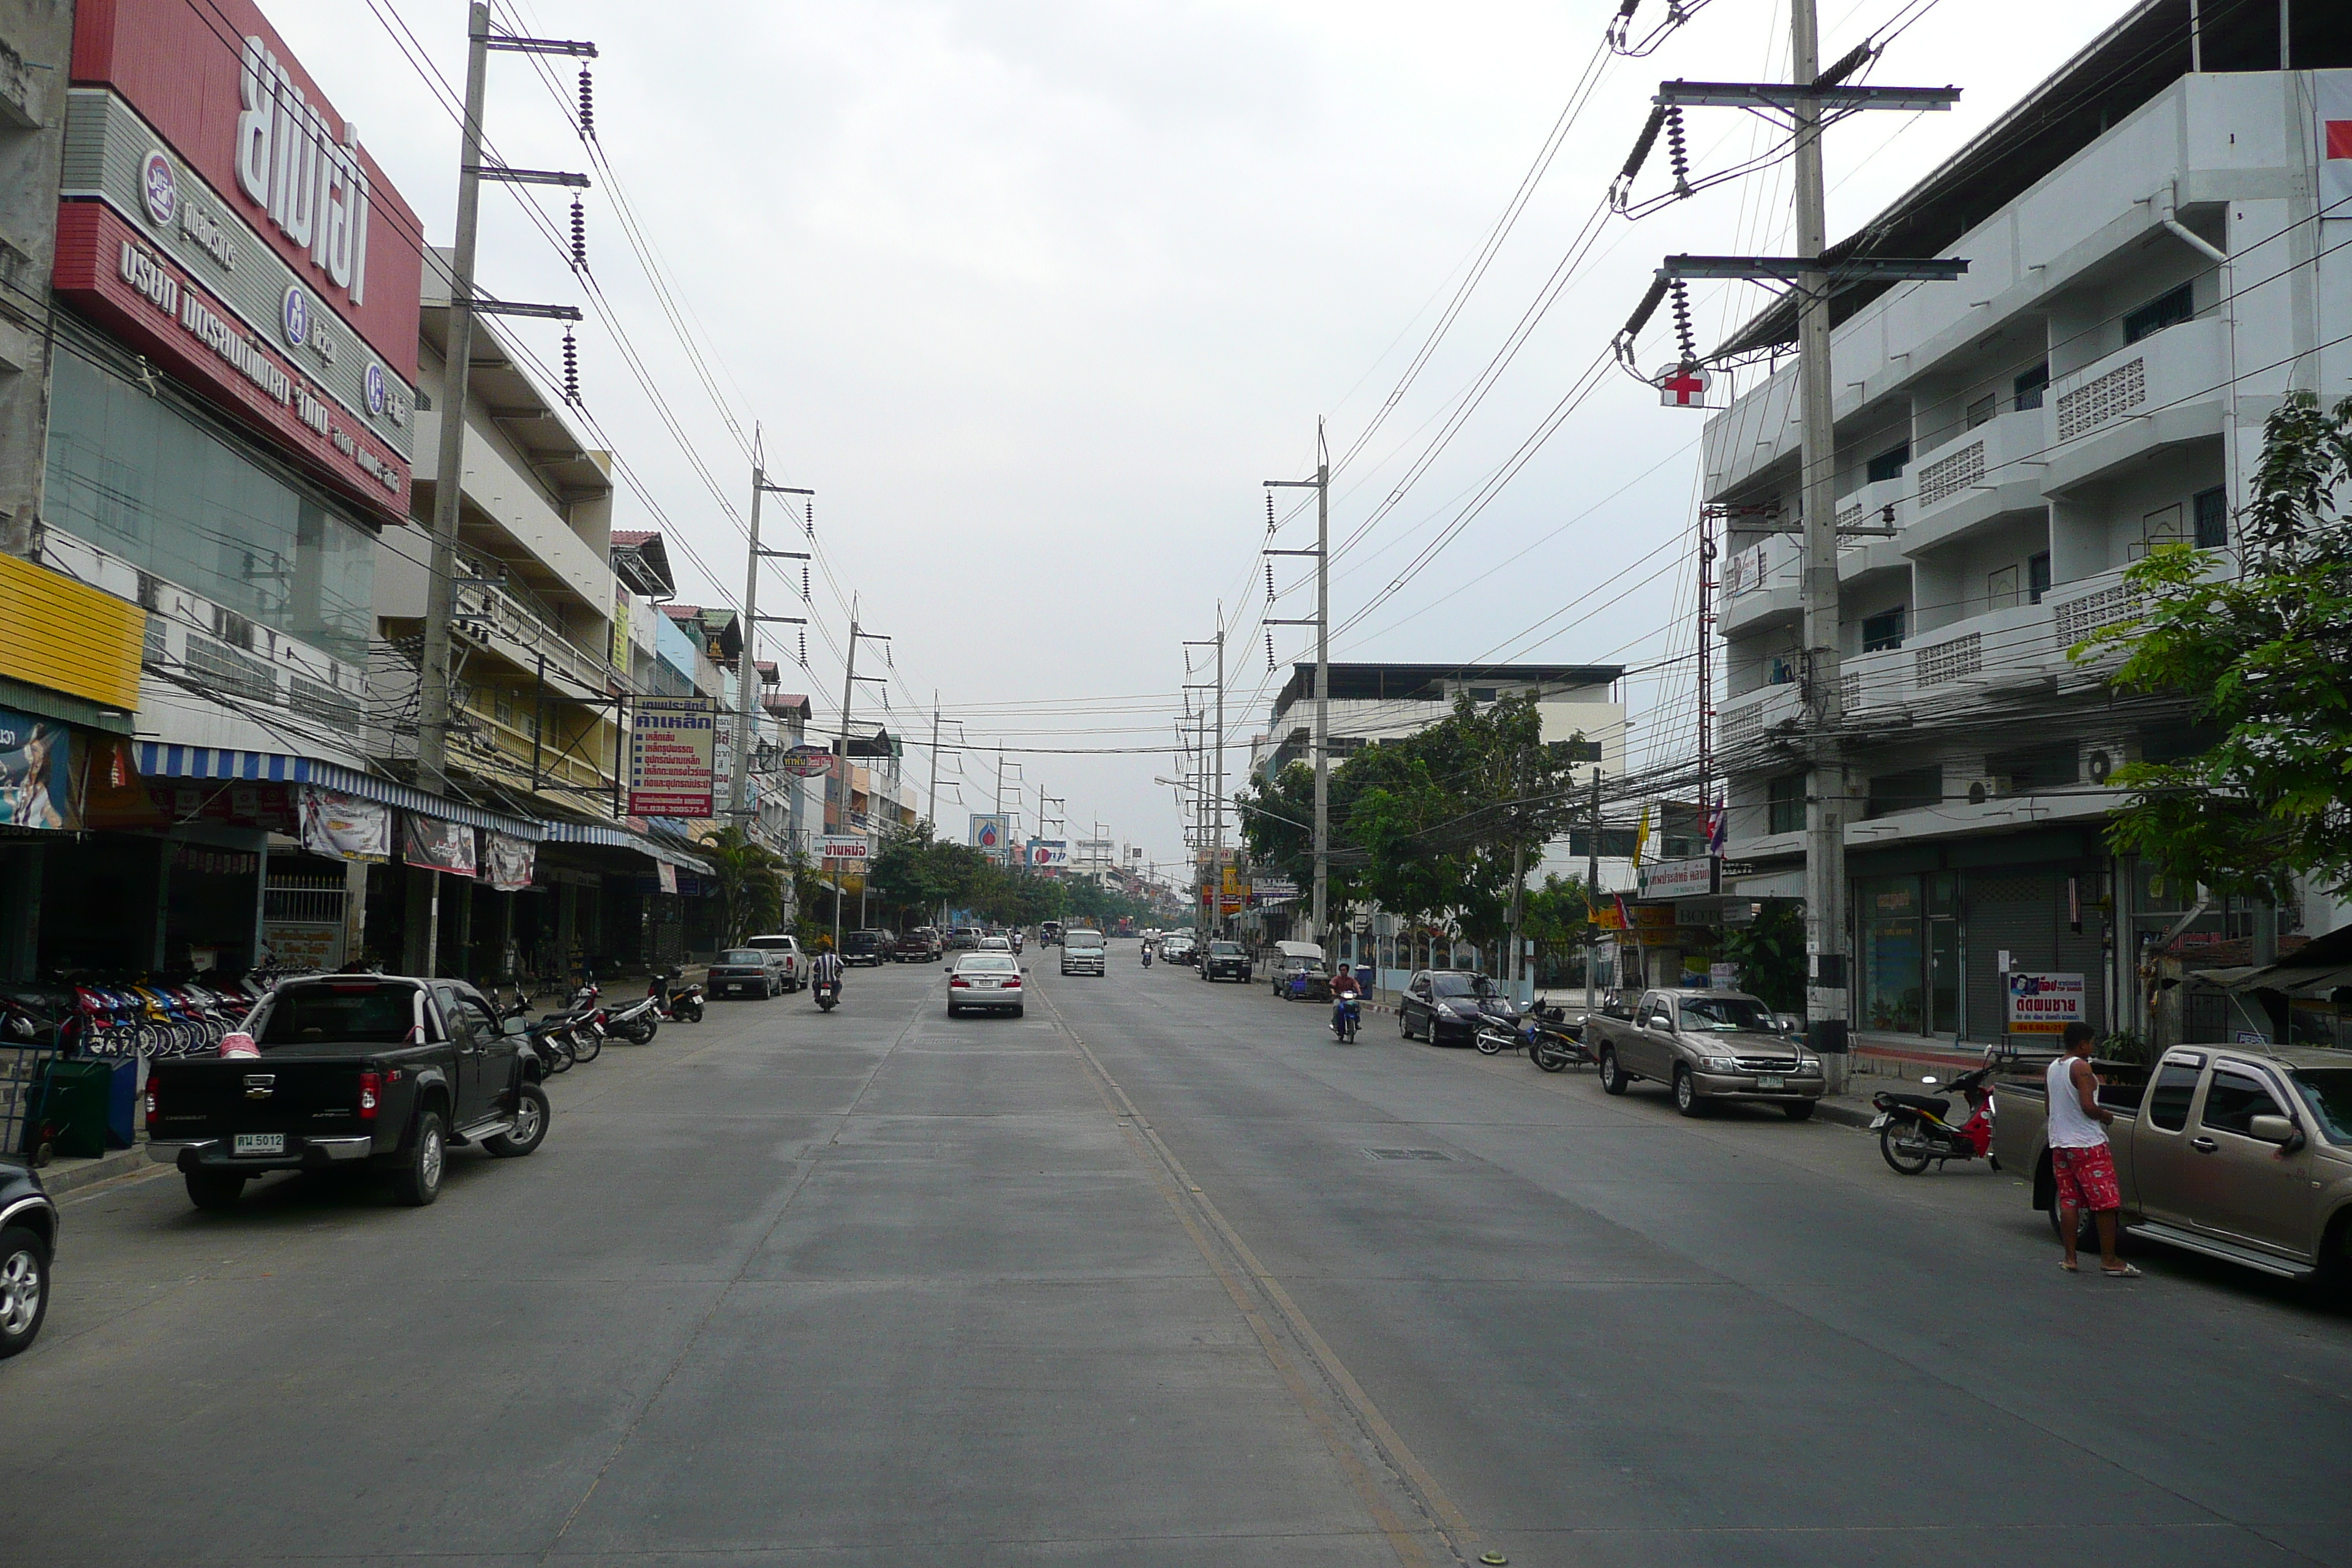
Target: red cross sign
[(1682, 386)]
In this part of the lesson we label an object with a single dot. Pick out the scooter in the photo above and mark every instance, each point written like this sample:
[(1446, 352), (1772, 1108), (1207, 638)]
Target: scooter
[(675, 1002), (636, 1022), (1913, 1131), (1552, 1044), (1146, 955), (828, 993), (1346, 1016)]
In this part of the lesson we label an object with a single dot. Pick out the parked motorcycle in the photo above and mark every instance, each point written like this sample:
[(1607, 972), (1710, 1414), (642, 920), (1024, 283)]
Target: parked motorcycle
[(636, 1022), (1552, 1043), (1347, 1017), (675, 1002), (828, 994), (1913, 1129), (1499, 1027)]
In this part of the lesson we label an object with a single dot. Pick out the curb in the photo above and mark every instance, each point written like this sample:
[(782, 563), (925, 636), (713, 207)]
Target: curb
[(1844, 1115), (89, 1173)]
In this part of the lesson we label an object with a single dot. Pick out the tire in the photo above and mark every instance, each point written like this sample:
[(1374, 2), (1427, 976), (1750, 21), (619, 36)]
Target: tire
[(1404, 1029), (2086, 1231), (587, 1046), (1686, 1100), (1546, 1057), (417, 1180), (24, 1288), (1612, 1076), (1488, 1042), (1910, 1165), (214, 1190), (533, 1114), (954, 1010), (1016, 1011), (653, 1027), (694, 1015), (2334, 1275), (1799, 1111), (559, 1055)]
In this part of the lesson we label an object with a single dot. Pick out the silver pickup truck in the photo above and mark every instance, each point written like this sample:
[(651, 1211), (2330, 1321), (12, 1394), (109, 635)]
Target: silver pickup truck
[(1705, 1046), (2241, 1152)]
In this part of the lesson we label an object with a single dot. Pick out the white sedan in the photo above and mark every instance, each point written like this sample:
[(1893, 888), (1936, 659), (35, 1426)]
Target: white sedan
[(984, 982)]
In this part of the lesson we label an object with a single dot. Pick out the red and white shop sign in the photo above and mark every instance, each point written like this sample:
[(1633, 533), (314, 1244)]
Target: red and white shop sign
[(107, 267), (213, 80)]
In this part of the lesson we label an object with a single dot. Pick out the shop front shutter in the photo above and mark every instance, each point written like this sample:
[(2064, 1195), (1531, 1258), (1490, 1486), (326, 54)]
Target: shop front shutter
[(2021, 912)]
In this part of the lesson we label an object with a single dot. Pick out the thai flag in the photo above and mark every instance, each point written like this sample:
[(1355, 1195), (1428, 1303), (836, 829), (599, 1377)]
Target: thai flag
[(1719, 826)]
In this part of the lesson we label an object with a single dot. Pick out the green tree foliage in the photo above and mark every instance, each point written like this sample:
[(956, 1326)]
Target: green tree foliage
[(1426, 826), (913, 874), (1770, 953), (747, 879), (2261, 658)]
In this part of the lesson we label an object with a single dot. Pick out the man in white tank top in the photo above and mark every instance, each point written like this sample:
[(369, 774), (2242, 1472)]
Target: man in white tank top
[(2080, 1157)]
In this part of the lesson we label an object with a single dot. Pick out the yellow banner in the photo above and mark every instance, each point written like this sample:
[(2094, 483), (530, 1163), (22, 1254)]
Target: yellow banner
[(64, 635)]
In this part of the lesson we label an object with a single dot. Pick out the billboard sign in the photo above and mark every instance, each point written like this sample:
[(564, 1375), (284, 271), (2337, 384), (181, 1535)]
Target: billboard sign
[(2041, 1004), (1049, 853), (807, 761), (1691, 878), (989, 834), (673, 745), (845, 847)]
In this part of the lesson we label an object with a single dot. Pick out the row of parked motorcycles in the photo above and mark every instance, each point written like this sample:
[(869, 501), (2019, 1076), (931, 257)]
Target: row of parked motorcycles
[(577, 1032)]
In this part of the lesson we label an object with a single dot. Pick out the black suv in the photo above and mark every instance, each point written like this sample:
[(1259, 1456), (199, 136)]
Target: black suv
[(1225, 960)]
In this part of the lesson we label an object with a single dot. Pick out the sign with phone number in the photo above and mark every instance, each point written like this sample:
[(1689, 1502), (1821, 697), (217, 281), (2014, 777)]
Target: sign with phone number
[(2044, 1003)]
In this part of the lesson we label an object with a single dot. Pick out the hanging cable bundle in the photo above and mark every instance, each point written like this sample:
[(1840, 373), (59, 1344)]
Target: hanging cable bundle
[(587, 107), (1621, 188), (579, 237), (571, 369)]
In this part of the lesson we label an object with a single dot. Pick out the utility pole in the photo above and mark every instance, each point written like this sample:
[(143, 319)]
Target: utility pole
[(1321, 485), (1805, 101), (421, 939), (747, 671), (1216, 828), (934, 797), (1591, 885), (842, 764)]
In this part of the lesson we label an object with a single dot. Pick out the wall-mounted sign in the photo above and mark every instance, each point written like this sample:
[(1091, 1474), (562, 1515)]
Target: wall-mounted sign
[(1691, 878), (1049, 853), (673, 744), (852, 849), (2044, 1003)]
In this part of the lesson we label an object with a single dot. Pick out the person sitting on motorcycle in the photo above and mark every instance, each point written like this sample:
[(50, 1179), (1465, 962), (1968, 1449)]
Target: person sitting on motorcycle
[(826, 965), (1344, 990)]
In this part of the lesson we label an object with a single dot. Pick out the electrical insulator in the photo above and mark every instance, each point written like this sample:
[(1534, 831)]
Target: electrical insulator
[(1269, 584), (579, 236), (1683, 338), (803, 647), (1269, 653), (1677, 154), (587, 106), (571, 369), (1269, 511), (808, 517), (805, 583)]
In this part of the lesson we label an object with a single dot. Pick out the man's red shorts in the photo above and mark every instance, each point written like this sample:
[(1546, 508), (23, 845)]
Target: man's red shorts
[(2086, 1178)]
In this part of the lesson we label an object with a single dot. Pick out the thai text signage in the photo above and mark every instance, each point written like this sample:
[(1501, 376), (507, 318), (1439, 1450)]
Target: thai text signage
[(673, 746), (1692, 878), (842, 846), (2044, 1003)]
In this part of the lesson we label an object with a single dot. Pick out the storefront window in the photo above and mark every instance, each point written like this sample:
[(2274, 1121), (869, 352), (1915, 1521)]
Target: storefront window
[(132, 473), (1894, 957)]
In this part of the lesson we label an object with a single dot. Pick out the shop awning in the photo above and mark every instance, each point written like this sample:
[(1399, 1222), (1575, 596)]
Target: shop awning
[(2321, 965), (611, 837), (161, 760)]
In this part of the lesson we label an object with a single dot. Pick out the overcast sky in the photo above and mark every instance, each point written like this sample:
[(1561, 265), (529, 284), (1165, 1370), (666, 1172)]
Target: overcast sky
[(1036, 292)]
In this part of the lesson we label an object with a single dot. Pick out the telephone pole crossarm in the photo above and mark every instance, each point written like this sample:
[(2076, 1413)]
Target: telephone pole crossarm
[(1788, 97)]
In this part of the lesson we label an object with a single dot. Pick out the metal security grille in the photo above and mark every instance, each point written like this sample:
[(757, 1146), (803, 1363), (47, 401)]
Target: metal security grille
[(232, 673), (2023, 913), (316, 900), (316, 700), (1741, 723), (1949, 660), (2095, 403), (1949, 476)]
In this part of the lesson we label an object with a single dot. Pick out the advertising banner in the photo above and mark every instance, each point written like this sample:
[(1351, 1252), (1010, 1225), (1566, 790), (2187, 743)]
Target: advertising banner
[(807, 761), (2333, 91), (344, 826), (36, 772), (2044, 1003), (507, 862), (673, 746), (1647, 918), (1048, 854), (843, 847), (304, 944), (432, 845), (988, 834)]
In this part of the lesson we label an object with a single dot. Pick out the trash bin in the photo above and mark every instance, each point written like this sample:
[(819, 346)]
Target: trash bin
[(123, 1105), (75, 1098), (1364, 978)]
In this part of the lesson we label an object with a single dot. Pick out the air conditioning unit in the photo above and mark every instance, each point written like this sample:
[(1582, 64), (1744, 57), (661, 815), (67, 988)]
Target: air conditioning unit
[(2101, 757), (1981, 790)]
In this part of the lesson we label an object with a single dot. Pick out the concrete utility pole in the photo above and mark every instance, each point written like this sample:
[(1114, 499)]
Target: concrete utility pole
[(748, 675), (1321, 485), (934, 807), (1215, 827), (1591, 882), (841, 752), (421, 939)]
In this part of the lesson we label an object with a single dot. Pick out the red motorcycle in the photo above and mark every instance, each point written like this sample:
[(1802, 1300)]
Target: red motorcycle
[(1915, 1130)]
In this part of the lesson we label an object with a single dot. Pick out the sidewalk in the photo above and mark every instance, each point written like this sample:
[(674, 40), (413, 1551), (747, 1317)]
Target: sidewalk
[(65, 1172)]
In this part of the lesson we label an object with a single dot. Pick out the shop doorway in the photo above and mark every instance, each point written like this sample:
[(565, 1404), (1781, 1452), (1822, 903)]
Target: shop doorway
[(1944, 976)]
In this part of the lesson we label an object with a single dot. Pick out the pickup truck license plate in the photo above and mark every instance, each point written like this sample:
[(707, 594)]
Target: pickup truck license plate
[(258, 1144), (1770, 1080)]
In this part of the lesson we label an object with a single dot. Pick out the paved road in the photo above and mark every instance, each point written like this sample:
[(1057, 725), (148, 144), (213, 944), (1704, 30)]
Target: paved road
[(1156, 1274)]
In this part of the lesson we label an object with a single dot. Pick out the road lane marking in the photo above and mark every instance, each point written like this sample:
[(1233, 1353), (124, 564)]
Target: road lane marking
[(1201, 1218)]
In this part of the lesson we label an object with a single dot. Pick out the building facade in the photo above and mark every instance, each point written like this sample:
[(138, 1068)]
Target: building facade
[(2150, 270)]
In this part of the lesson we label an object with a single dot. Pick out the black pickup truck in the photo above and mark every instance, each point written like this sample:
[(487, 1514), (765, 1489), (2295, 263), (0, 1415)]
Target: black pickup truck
[(375, 1071)]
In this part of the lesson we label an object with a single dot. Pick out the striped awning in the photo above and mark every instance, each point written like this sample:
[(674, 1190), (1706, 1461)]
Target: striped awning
[(162, 760), (608, 837)]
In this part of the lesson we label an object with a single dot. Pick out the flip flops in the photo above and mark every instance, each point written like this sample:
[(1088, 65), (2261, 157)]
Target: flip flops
[(2069, 1268), (2126, 1272)]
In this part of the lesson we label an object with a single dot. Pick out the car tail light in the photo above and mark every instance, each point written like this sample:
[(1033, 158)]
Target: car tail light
[(1013, 983), (958, 982), (370, 1092), (154, 1103)]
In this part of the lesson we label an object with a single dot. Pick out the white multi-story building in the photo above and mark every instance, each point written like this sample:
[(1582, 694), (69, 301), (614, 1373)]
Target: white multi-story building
[(2150, 272)]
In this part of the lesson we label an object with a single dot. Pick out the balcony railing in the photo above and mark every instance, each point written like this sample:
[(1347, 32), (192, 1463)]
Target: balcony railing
[(499, 620)]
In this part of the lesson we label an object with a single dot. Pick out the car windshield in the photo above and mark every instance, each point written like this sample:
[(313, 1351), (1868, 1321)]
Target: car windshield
[(993, 963), (364, 1014), (1224, 948), (1725, 1015), (1462, 985), (2328, 1092), (744, 955)]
